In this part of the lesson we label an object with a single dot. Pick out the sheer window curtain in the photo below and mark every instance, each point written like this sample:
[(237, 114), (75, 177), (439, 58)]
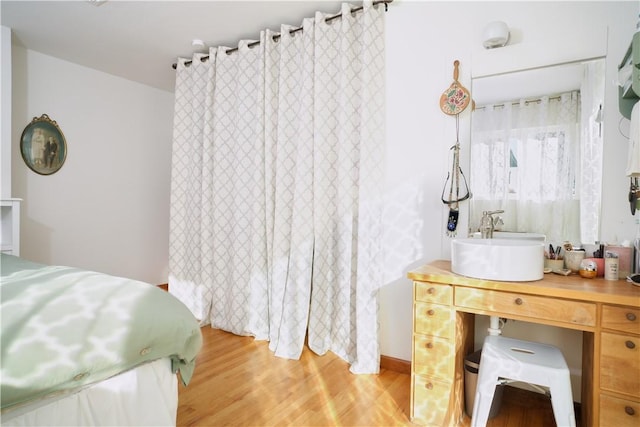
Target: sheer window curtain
[(526, 161), (276, 202), (591, 153)]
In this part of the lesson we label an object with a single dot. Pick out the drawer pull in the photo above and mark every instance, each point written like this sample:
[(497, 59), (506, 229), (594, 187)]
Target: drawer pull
[(431, 291), (518, 301), (430, 312), (428, 386), (429, 345), (629, 410), (631, 317), (630, 344)]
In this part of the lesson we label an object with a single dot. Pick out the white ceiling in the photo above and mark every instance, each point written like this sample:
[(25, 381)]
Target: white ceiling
[(140, 40)]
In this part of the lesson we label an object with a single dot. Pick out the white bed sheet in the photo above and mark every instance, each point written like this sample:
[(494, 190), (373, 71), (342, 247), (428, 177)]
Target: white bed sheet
[(144, 396)]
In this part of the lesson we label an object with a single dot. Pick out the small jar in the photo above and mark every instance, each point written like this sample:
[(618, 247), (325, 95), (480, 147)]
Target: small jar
[(588, 269), (572, 260)]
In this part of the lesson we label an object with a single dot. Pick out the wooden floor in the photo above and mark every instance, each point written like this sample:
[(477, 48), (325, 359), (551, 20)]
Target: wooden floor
[(239, 382)]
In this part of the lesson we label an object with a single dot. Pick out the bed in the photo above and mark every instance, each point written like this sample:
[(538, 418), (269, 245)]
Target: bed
[(84, 348)]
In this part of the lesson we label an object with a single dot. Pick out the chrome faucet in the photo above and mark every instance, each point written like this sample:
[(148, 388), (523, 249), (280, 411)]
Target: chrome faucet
[(488, 223)]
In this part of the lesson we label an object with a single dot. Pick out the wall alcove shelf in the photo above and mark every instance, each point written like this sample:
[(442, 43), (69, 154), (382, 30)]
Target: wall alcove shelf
[(629, 92), (10, 230)]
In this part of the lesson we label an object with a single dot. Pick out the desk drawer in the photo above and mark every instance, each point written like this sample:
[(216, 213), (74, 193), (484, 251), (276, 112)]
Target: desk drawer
[(433, 293), (557, 310), (431, 400), (433, 319), (620, 363), (624, 319), (618, 412), (433, 356)]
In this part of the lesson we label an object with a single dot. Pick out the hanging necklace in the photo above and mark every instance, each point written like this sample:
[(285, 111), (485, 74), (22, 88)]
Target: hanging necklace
[(456, 172)]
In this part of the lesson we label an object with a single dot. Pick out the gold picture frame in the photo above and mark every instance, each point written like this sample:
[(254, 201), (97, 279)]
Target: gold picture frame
[(43, 145)]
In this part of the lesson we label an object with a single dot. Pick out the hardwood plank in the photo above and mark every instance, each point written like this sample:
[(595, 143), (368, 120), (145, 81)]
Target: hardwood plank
[(239, 382)]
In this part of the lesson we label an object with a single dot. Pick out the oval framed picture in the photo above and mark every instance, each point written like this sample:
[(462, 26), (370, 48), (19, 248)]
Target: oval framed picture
[(43, 146)]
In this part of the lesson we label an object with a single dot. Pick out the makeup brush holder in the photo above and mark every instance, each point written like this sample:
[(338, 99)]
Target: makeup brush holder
[(554, 264)]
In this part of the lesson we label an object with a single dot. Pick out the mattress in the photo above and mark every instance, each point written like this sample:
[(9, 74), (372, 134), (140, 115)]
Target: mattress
[(144, 396), (66, 330)]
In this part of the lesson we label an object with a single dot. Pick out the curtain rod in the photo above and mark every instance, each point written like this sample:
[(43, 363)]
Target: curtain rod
[(295, 30), (526, 102)]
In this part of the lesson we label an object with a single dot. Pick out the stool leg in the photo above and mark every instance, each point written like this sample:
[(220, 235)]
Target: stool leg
[(562, 400), (485, 390)]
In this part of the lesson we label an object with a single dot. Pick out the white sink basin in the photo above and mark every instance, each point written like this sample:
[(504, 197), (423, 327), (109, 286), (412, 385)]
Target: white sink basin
[(508, 260), (513, 235)]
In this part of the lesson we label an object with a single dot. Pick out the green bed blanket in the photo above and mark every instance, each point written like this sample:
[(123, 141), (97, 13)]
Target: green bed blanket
[(63, 328)]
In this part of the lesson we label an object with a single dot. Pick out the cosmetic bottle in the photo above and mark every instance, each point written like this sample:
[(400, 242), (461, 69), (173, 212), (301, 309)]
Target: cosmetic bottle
[(611, 266)]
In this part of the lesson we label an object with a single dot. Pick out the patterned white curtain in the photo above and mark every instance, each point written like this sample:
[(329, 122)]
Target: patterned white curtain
[(526, 161), (276, 187)]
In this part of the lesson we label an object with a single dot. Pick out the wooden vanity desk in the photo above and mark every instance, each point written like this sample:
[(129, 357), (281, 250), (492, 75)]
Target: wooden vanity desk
[(608, 313)]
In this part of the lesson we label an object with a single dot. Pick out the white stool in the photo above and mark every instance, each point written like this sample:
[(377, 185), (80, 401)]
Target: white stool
[(525, 361)]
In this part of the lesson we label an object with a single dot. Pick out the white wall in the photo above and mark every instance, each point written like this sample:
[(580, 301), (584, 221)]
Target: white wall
[(107, 208), (423, 40), (5, 112)]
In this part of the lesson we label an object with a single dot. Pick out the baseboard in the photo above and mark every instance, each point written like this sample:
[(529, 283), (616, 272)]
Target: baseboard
[(396, 365)]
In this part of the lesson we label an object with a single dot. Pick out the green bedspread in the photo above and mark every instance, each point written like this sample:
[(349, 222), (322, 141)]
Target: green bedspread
[(64, 328)]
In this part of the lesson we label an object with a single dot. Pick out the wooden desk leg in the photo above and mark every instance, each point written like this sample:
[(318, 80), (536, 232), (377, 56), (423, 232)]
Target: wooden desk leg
[(464, 339), (589, 402)]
